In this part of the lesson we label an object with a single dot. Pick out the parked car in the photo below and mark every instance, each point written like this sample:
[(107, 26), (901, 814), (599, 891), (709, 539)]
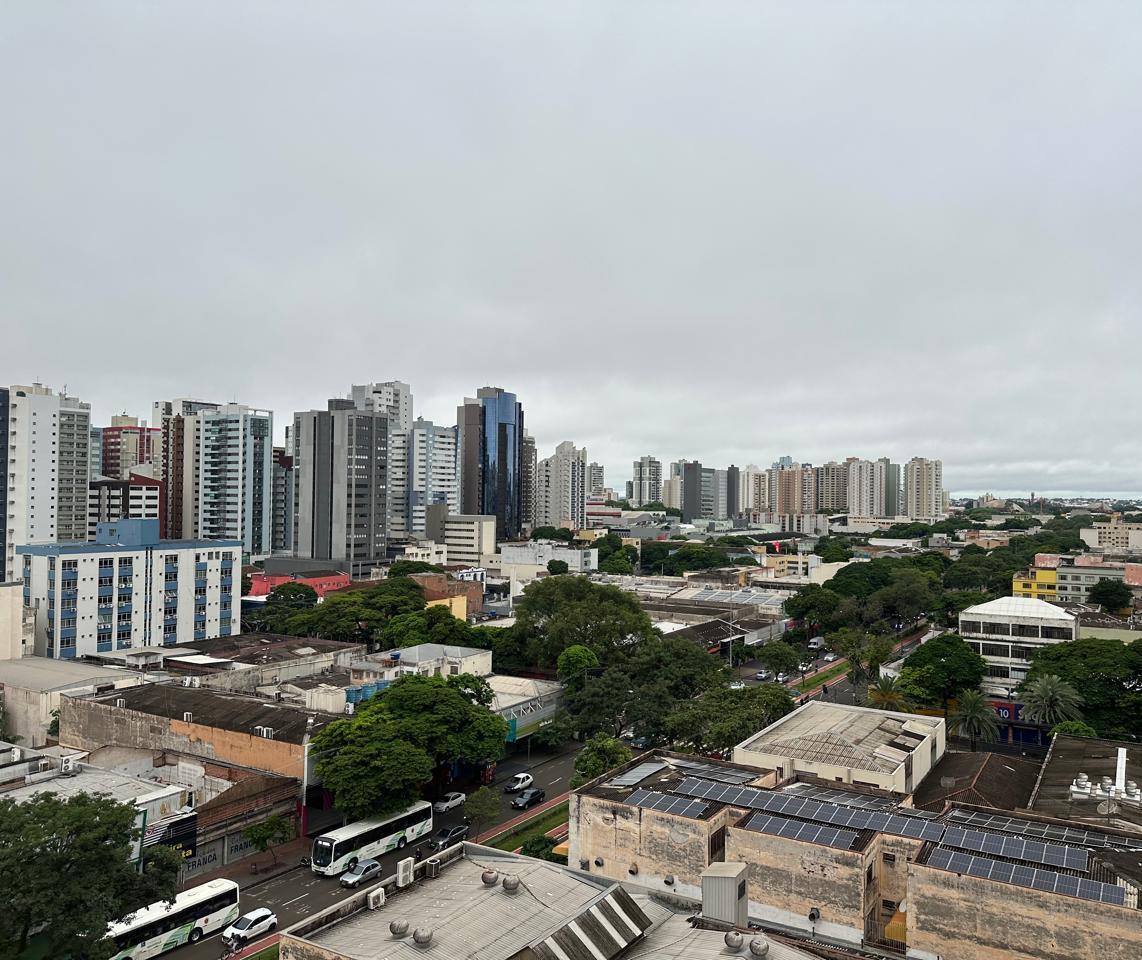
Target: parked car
[(737, 684), (782, 677), (529, 798), (361, 871), (251, 925), (807, 665), (521, 781), (830, 657), (446, 837), (762, 675), (449, 802), (817, 643), (639, 743)]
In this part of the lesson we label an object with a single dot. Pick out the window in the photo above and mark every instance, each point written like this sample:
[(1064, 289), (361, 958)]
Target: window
[(888, 857), (995, 649), (717, 850), (889, 905)]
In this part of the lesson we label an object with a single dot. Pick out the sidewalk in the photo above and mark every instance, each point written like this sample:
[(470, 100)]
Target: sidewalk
[(242, 873)]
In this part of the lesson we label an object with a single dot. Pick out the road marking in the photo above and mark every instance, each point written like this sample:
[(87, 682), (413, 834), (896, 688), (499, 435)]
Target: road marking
[(295, 899), (555, 781)]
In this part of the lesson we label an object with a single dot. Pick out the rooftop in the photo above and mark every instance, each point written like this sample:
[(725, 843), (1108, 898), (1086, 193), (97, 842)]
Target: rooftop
[(1068, 757), (711, 632), (223, 710), (88, 779), (259, 648), (1020, 607), (983, 779), (833, 733), (511, 691), (45, 673), (427, 652)]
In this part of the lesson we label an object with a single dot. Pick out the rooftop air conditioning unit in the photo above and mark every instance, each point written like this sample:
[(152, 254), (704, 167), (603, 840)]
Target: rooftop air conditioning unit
[(376, 898), (187, 716), (69, 765), (268, 732), (404, 872), (17, 754), (349, 708), (120, 702), (432, 867), (186, 681)]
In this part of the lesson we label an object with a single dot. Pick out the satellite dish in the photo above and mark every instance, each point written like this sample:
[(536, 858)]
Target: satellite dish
[(1107, 807)]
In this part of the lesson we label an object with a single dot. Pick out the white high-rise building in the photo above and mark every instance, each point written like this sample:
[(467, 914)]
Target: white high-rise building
[(43, 493), (432, 474), (863, 497), (924, 489), (561, 488), (596, 479), (646, 485), (394, 399)]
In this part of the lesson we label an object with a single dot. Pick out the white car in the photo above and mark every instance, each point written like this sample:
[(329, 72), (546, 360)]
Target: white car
[(521, 781), (250, 925), (830, 657), (737, 685), (450, 801)]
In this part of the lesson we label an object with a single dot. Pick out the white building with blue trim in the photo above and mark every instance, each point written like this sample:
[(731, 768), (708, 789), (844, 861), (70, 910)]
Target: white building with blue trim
[(128, 588)]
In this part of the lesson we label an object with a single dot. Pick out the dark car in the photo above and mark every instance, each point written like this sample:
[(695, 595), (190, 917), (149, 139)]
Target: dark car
[(529, 798), (446, 837)]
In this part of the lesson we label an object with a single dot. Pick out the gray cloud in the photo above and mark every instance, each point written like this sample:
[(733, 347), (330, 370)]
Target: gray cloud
[(726, 231)]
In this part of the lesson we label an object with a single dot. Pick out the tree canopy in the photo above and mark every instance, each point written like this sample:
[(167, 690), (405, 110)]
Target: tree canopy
[(65, 870), (1111, 595), (723, 718), (944, 667), (557, 567), (405, 568), (1106, 673), (356, 615), (599, 754), (552, 533), (430, 625), (974, 717), (378, 760)]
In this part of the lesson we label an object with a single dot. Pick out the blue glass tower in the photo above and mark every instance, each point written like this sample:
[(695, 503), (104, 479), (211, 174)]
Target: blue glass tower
[(491, 459)]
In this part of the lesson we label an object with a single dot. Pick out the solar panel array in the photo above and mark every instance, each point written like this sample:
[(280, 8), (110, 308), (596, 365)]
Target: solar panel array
[(666, 803), (707, 771), (1046, 880), (811, 791), (807, 832), (1049, 831), (795, 806), (636, 774), (738, 596), (1017, 848)]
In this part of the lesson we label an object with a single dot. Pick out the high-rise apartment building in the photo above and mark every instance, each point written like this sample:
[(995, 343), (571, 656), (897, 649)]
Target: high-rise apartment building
[(491, 430), (795, 489), (139, 497), (700, 491), (646, 484), (281, 505), (341, 503), (924, 488), (721, 495), (596, 479), (529, 464), (893, 497), (733, 491), (393, 398), (48, 448), (561, 488), (128, 444), (873, 488), (832, 481), (95, 468), (431, 463), (178, 458)]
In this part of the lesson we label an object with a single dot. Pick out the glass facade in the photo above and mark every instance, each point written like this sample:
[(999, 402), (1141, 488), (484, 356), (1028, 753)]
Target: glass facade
[(501, 456)]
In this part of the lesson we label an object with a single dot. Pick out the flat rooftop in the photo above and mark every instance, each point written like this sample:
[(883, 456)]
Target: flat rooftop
[(261, 648), (512, 691), (45, 673), (224, 710), (118, 786), (833, 733), (1121, 761)]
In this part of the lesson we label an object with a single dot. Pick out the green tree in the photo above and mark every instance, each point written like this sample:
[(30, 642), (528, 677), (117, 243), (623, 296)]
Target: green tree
[(1073, 728), (574, 663), (556, 733), (974, 718), (268, 834), (405, 568), (946, 665), (481, 808), (557, 567), (864, 651), (430, 625), (552, 533), (834, 549), (1048, 700), (540, 847), (887, 693), (599, 754), (378, 760), (655, 506), (357, 616), (1106, 673), (1111, 595), (247, 585), (779, 657), (723, 718), (298, 596), (617, 563), (814, 604), (66, 871)]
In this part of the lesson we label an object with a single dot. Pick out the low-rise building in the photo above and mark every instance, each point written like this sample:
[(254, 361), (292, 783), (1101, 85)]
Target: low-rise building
[(1008, 632), (322, 582), (129, 589), (426, 551), (17, 623), (1114, 535), (468, 538), (529, 559), (1070, 578), (855, 745)]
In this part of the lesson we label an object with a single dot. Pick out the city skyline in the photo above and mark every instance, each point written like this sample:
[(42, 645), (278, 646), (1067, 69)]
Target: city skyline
[(727, 239)]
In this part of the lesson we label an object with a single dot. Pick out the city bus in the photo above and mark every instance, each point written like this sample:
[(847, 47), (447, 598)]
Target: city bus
[(162, 926), (339, 850)]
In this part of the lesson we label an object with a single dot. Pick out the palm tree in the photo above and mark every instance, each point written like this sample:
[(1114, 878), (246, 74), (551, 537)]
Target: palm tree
[(974, 717), (1049, 700), (887, 694)]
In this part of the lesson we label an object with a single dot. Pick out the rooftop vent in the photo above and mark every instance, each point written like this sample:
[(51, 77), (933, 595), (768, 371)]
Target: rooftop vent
[(734, 940), (511, 883), (187, 716), (489, 878), (120, 702), (399, 929), (759, 947), (422, 936)]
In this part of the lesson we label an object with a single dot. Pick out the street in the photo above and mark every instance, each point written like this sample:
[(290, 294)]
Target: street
[(301, 892)]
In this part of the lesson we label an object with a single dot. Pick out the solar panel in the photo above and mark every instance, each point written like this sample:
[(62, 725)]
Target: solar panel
[(636, 774), (1016, 848), (1046, 831), (795, 830), (707, 771), (813, 792), (1046, 880), (667, 803)]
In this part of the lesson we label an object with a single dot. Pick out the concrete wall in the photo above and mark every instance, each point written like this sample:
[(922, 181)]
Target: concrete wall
[(29, 711), (91, 724), (248, 679), (11, 620), (787, 878), (946, 912)]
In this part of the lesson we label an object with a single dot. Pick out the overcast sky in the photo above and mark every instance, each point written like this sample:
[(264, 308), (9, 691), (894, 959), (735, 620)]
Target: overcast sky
[(712, 230)]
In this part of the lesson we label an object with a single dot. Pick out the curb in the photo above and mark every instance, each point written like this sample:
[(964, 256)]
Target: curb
[(505, 828)]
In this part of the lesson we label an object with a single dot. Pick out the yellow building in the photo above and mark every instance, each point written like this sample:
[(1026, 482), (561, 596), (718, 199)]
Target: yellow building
[(1039, 583)]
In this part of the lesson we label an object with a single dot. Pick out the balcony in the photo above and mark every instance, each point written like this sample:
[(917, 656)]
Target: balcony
[(200, 583), (106, 591), (67, 633), (200, 567), (172, 568), (227, 582), (72, 575), (124, 607), (170, 620), (200, 634), (125, 593), (200, 618)]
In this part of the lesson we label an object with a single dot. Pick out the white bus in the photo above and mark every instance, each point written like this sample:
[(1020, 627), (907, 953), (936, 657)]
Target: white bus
[(339, 850), (204, 909)]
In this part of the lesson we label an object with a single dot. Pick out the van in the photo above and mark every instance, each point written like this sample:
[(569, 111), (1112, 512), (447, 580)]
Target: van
[(817, 643)]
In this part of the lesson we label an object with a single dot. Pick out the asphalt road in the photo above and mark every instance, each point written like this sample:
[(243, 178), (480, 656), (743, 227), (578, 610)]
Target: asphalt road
[(301, 892)]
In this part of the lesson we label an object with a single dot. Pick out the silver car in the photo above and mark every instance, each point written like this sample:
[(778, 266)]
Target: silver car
[(361, 871)]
